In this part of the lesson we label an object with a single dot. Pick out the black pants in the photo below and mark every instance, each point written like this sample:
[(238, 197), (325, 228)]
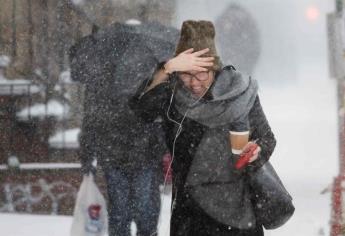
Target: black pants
[(204, 225), (191, 220)]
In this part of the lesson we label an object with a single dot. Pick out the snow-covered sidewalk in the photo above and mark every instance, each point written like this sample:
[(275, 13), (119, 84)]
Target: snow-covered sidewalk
[(304, 120), (42, 225)]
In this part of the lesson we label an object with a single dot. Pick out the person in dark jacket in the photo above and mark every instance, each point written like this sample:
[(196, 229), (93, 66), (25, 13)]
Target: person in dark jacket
[(129, 151), (208, 111)]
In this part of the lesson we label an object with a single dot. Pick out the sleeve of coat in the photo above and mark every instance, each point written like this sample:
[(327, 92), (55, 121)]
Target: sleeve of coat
[(261, 130), (150, 105), (87, 149)]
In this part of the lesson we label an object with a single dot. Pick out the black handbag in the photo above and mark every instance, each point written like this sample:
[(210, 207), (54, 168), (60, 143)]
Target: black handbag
[(272, 203)]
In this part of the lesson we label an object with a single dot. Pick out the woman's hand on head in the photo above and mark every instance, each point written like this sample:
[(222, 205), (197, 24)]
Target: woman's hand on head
[(190, 61), (185, 61)]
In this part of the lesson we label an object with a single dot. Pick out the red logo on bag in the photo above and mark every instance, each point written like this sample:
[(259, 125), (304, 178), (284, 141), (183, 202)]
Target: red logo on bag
[(94, 211), (166, 170)]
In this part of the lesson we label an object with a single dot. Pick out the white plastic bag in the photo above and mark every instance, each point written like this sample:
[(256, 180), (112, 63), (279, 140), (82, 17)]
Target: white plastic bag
[(90, 212)]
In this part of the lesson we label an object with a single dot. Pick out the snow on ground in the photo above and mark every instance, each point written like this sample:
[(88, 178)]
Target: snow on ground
[(38, 225), (45, 166), (65, 77), (16, 86), (65, 139), (41, 110), (33, 225), (4, 61), (303, 118)]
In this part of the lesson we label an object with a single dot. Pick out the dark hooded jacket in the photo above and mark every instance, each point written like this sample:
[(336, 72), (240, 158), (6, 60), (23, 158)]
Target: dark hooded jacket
[(213, 187), (111, 132)]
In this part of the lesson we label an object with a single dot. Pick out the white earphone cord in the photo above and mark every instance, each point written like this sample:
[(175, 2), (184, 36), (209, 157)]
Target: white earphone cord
[(178, 132)]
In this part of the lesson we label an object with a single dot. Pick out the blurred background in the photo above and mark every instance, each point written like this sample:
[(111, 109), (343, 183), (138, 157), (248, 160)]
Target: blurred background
[(295, 49)]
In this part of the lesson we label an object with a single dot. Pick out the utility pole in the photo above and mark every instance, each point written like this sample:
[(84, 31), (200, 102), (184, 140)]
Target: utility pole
[(336, 46)]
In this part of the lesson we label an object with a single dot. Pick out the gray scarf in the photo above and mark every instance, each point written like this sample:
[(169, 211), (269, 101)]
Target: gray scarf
[(233, 97)]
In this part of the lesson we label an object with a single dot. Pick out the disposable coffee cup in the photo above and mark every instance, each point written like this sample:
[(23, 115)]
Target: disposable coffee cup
[(238, 140)]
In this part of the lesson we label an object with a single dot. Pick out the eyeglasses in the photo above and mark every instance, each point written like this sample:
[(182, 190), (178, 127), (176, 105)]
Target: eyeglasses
[(187, 77)]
